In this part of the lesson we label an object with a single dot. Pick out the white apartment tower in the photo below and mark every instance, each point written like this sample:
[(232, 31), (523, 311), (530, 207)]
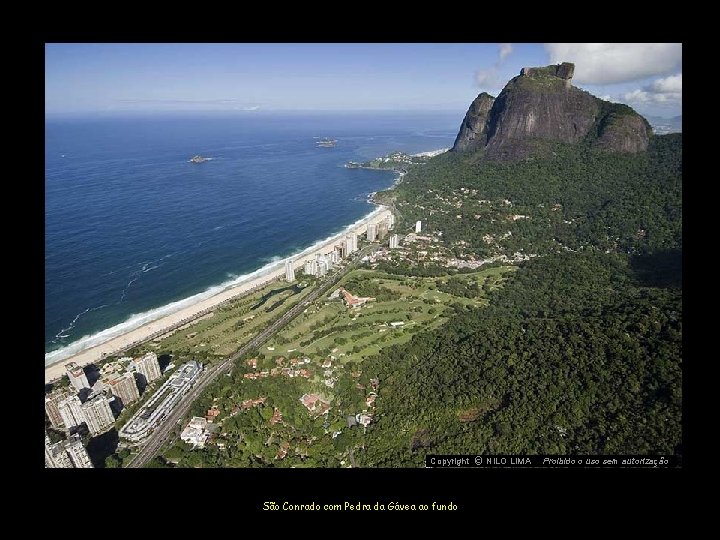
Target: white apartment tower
[(66, 454), (310, 268), (77, 376), (289, 271), (148, 366), (78, 454), (371, 232), (418, 227), (394, 241), (52, 407), (352, 242), (71, 412), (55, 455), (322, 267), (98, 414), (382, 229), (124, 387)]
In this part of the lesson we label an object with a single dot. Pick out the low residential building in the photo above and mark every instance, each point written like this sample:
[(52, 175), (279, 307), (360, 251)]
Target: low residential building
[(213, 412), (276, 417), (195, 433), (352, 300), (363, 419), (314, 403)]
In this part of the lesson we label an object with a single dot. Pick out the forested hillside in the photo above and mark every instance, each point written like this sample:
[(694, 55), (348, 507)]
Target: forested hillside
[(569, 198), (581, 351)]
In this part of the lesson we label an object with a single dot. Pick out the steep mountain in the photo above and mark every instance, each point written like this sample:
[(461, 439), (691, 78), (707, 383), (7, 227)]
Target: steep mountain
[(542, 104), (472, 131)]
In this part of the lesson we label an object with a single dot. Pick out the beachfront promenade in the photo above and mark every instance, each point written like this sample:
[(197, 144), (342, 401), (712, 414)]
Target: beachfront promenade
[(202, 307)]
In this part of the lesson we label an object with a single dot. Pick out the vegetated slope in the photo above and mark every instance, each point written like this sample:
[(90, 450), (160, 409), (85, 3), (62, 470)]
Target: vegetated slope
[(581, 351), (571, 198)]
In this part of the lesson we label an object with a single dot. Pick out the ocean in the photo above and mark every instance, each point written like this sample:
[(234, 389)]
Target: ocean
[(132, 228)]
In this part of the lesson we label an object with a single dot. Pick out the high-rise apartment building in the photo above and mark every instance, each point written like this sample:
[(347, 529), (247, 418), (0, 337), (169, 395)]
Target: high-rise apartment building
[(124, 387), (418, 227), (371, 232), (310, 268), (52, 407), (77, 376), (382, 230), (55, 455), (66, 454), (77, 452), (148, 366), (394, 241), (289, 271), (71, 412), (98, 414)]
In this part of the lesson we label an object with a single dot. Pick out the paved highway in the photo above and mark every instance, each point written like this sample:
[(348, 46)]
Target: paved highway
[(155, 440)]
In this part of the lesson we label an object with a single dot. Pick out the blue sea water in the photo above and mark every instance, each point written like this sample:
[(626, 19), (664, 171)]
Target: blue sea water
[(132, 226)]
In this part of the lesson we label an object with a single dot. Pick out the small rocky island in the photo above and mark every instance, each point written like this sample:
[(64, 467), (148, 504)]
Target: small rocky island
[(199, 159), (326, 142)]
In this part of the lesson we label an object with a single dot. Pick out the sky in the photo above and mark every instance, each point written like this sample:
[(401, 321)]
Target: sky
[(112, 78)]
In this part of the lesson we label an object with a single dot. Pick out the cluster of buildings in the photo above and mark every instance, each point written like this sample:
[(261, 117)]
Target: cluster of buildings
[(315, 404), (67, 454), (91, 405), (293, 371), (322, 263), (161, 402)]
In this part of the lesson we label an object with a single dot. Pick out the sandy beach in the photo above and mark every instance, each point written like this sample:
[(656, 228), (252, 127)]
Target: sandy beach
[(165, 323)]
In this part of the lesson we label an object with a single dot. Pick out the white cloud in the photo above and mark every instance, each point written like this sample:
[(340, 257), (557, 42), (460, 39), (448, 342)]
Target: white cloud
[(505, 50), (488, 78), (607, 63), (668, 85), (661, 91)]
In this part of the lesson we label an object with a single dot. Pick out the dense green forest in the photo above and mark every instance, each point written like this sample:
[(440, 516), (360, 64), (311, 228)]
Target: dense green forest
[(581, 351), (576, 354)]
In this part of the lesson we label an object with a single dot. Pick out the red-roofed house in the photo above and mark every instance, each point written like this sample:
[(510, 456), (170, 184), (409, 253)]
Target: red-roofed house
[(352, 300)]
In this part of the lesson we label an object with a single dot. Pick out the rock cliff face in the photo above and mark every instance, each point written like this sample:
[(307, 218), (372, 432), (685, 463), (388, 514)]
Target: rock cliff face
[(542, 104), (472, 131)]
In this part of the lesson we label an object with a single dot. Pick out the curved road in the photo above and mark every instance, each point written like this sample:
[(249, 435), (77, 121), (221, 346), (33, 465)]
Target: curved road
[(157, 438)]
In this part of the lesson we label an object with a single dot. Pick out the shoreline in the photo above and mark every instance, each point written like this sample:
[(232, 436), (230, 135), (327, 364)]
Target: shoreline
[(151, 324)]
